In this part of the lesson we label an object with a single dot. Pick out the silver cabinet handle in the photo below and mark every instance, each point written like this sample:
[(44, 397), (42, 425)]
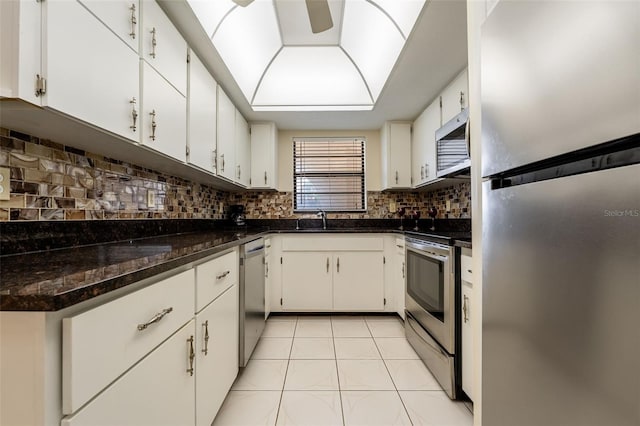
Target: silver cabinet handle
[(465, 308), (396, 176), (134, 113), (402, 269), (133, 20), (157, 317), (338, 265), (222, 158), (399, 246), (266, 269), (327, 265), (239, 171), (206, 337), (461, 100), (265, 177), (154, 43), (422, 172), (191, 355), (222, 275), (153, 125), (214, 159), (469, 271), (426, 170)]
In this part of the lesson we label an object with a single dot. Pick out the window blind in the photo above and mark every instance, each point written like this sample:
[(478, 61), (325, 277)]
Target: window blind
[(329, 174)]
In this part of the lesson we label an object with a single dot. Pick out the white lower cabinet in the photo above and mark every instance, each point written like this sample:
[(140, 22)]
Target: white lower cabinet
[(358, 281), (330, 272), (217, 354), (159, 390), (467, 326), (307, 281)]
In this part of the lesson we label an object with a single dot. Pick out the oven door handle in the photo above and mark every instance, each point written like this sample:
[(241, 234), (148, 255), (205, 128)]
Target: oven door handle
[(429, 254)]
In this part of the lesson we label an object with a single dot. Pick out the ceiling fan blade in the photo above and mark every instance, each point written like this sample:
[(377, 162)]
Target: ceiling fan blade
[(243, 3), (319, 15)]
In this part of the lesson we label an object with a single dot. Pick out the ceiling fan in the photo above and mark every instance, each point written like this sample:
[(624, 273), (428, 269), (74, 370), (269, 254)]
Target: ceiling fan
[(318, 10)]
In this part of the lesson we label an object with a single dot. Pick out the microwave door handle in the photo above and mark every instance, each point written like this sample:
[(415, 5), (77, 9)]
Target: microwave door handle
[(467, 137)]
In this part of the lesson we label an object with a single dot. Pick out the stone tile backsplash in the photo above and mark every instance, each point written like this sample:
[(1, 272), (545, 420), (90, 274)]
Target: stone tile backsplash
[(51, 181), (279, 205)]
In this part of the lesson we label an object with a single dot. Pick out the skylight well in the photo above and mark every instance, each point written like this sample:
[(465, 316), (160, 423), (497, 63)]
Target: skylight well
[(281, 65)]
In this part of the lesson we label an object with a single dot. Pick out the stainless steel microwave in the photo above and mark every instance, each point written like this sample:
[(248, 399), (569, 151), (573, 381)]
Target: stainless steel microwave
[(452, 146)]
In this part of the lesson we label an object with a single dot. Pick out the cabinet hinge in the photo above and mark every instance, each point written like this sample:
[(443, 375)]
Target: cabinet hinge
[(281, 260), (281, 301), (41, 85), (440, 101), (188, 57), (385, 301), (188, 152), (384, 260), (249, 181)]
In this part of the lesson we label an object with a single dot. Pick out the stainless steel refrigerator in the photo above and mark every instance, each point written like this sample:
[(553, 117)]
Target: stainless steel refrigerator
[(561, 213)]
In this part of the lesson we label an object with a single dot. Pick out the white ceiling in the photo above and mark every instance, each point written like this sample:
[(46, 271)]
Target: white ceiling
[(435, 52)]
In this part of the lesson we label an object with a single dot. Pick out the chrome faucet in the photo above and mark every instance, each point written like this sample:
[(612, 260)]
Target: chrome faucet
[(323, 215)]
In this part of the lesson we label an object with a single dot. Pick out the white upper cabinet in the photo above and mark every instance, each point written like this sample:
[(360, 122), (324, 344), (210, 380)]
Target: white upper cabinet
[(264, 156), (162, 45), (20, 49), (243, 151), (202, 110), (396, 155), (122, 16), (92, 75), (164, 115), (423, 145), (454, 97), (226, 136)]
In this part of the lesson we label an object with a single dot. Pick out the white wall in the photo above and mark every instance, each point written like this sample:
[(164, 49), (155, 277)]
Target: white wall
[(285, 154)]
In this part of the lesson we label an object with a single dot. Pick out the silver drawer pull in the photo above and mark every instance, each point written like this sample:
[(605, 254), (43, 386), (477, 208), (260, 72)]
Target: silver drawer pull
[(222, 275), (206, 337), (469, 271), (157, 317), (191, 355)]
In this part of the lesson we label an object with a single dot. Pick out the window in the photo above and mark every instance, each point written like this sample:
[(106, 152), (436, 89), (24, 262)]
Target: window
[(328, 174)]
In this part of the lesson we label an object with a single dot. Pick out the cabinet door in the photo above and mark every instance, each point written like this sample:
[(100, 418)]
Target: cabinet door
[(243, 150), (358, 281), (202, 109), (419, 140), (226, 163), (164, 115), (467, 339), (158, 391), (431, 124), (454, 97), (396, 155), (162, 45), (217, 359), (307, 281), (264, 155), (121, 16), (91, 74)]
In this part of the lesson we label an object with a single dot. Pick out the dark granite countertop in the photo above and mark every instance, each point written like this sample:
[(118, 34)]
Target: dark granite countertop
[(53, 279)]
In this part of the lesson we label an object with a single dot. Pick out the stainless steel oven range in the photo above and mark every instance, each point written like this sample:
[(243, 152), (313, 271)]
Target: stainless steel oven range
[(430, 307)]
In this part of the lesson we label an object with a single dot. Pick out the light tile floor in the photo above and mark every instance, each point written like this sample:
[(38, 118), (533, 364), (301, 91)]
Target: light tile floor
[(337, 370)]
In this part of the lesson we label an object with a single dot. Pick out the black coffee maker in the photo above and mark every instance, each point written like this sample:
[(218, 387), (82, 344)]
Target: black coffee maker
[(236, 214)]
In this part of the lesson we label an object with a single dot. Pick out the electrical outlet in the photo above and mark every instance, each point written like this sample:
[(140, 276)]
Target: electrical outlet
[(5, 186), (151, 198), (448, 205), (392, 207)]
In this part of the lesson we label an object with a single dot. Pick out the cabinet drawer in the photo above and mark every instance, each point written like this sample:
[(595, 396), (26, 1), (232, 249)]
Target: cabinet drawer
[(158, 391), (214, 277), (466, 267), (102, 343)]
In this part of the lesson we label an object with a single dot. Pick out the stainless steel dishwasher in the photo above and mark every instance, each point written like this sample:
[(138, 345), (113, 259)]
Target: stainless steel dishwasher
[(252, 298)]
